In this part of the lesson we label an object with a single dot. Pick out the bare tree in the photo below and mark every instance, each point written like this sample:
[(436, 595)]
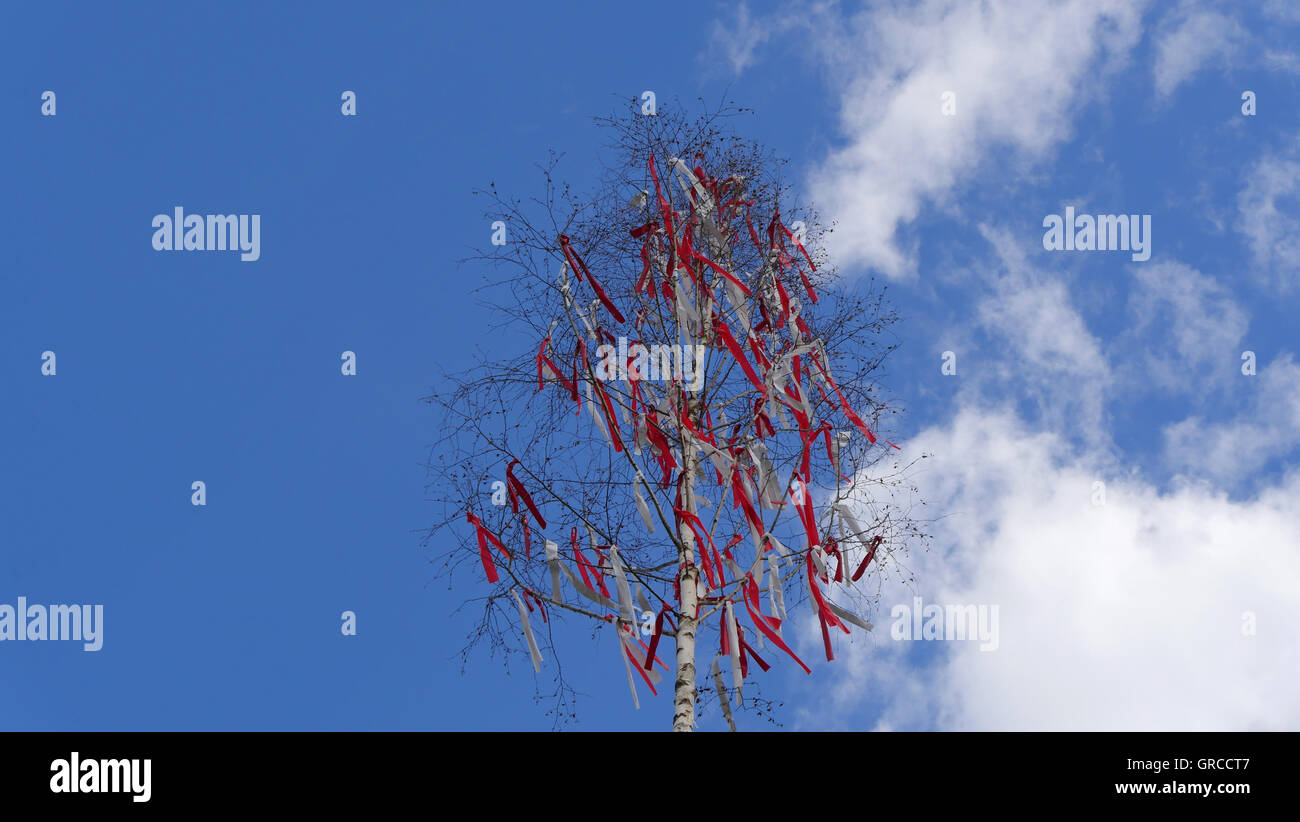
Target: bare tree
[(691, 381)]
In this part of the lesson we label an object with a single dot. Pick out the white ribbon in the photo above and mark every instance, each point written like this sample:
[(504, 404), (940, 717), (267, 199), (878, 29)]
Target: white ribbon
[(839, 442), (597, 416), (775, 592), (780, 547), (819, 559), (641, 505), (733, 647), (557, 567), (722, 693), (689, 182), (685, 311), (737, 298), (847, 615), (528, 633), (631, 653), (638, 434), (627, 664), (638, 657), (854, 529), (620, 584), (553, 561), (769, 487)]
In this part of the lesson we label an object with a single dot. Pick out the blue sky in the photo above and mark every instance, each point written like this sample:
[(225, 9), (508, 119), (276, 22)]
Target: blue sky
[(1072, 368)]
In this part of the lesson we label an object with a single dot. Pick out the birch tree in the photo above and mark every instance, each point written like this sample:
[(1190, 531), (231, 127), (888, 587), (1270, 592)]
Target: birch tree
[(670, 432)]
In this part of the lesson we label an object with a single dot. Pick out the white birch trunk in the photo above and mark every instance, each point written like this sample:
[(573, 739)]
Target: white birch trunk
[(684, 692)]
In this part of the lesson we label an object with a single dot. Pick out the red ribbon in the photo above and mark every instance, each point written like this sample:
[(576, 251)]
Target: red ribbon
[(785, 301), (654, 640), (517, 488), (645, 274), (761, 420), (746, 647), (484, 537), (580, 268), (737, 352), (660, 443), (871, 552), (610, 418), (724, 272), (825, 616), (848, 412), (761, 622), (583, 564), (639, 669), (805, 511), (701, 536), (541, 606), (741, 498), (832, 548), (600, 575), (641, 231), (776, 221), (555, 369)]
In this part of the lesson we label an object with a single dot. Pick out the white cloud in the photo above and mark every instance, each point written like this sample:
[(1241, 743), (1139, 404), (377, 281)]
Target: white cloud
[(1273, 233), (1284, 10), (1189, 41), (1041, 346), (1127, 615), (1019, 73), (1231, 450), (1057, 361), (1187, 331), (740, 37)]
